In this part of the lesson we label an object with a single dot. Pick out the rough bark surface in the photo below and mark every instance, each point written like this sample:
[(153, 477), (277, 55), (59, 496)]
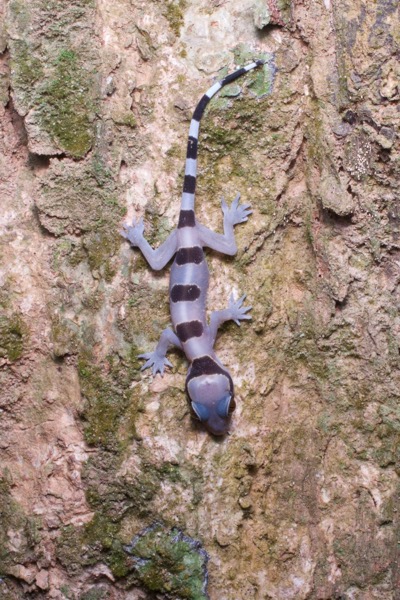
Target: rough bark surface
[(108, 489)]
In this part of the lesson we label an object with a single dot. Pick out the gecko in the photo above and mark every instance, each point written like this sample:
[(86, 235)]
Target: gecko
[(209, 385)]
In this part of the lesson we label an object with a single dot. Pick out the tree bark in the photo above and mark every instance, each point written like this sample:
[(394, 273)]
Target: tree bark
[(108, 488)]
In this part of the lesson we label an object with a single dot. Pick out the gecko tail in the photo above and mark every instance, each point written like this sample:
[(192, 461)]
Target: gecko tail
[(189, 183)]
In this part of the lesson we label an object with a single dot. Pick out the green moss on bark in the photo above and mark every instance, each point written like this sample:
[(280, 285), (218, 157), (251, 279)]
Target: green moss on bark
[(105, 405), (173, 10), (61, 98), (168, 562), (26, 68), (64, 335), (14, 522), (66, 105), (13, 333), (82, 198), (80, 547)]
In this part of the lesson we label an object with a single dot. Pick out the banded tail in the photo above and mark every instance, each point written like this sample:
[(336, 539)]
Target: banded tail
[(189, 184)]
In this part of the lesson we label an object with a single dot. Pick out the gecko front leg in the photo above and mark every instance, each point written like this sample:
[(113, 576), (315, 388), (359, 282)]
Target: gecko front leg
[(235, 312), (157, 258), (157, 359), (233, 215)]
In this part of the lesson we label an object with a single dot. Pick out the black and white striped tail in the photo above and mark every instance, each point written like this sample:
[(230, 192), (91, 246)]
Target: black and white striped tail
[(189, 184)]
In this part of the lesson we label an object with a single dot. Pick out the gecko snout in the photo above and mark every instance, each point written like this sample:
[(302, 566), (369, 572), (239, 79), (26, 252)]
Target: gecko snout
[(212, 403)]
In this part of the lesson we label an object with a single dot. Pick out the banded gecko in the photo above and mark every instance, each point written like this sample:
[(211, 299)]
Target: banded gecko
[(208, 383)]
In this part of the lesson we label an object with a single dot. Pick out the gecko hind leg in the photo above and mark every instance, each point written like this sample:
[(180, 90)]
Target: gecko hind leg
[(157, 359)]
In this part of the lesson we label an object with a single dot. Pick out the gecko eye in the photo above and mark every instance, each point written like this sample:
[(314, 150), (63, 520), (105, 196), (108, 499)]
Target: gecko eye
[(226, 406), (201, 411)]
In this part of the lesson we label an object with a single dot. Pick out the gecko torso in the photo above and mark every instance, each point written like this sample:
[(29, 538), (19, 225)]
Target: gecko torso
[(208, 383)]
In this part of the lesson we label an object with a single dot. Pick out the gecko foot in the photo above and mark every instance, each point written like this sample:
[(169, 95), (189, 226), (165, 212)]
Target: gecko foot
[(236, 213), (156, 361), (133, 233), (237, 310)]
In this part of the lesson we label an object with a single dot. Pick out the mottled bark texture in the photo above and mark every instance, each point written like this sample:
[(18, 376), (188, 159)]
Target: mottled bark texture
[(108, 489)]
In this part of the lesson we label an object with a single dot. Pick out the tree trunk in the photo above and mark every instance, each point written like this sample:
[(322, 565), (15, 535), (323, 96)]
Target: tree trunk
[(109, 489)]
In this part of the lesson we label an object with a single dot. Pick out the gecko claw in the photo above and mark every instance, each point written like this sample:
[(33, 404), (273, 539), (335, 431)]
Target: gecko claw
[(238, 311), (156, 361), (236, 213), (133, 233)]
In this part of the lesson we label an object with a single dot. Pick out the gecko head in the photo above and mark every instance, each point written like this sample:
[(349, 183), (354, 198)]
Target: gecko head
[(212, 401)]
